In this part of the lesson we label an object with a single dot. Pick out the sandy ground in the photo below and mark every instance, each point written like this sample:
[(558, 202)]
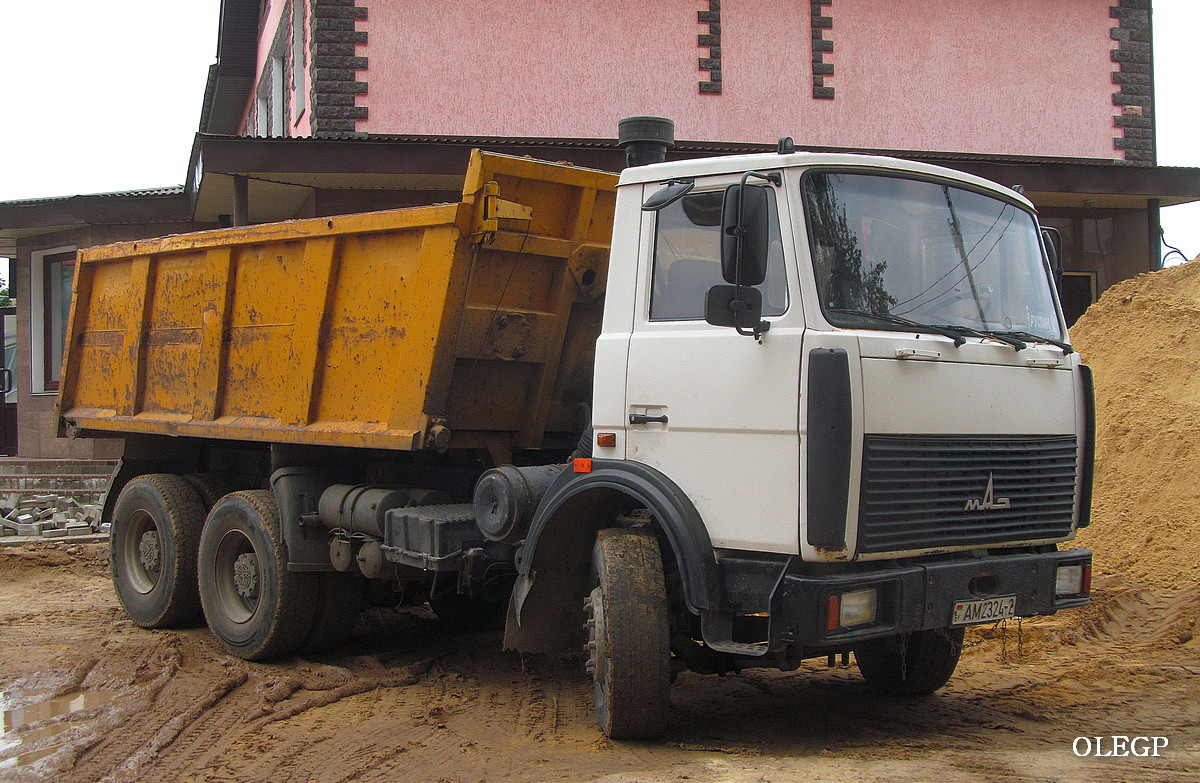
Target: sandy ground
[(90, 697)]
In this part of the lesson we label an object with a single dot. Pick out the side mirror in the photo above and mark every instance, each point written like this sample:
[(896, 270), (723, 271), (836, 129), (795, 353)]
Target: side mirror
[(731, 305), (1052, 239), (745, 234), (668, 195)]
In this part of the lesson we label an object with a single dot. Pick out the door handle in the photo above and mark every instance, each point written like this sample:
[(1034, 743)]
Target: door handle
[(637, 418), (6, 385)]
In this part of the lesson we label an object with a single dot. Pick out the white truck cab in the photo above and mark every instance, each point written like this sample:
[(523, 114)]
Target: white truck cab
[(835, 411), (921, 293)]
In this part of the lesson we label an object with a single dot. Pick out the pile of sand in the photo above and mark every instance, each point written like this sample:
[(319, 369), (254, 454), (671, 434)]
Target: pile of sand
[(1142, 339)]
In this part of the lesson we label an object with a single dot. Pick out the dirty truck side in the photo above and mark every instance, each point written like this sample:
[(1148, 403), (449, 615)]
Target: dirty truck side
[(733, 412)]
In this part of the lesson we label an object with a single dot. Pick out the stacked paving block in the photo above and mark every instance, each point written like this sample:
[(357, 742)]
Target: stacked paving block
[(52, 498)]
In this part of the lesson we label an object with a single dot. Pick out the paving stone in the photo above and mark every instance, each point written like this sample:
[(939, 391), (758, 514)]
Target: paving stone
[(54, 532)]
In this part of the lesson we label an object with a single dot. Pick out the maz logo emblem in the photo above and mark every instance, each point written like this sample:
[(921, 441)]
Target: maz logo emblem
[(988, 501)]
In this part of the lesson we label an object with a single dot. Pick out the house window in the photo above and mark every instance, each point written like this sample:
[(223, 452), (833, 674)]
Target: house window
[(271, 116), (1077, 294), (299, 60), (53, 273), (278, 98)]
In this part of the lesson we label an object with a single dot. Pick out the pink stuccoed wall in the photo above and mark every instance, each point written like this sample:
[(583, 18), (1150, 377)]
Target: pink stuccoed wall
[(301, 126), (993, 76)]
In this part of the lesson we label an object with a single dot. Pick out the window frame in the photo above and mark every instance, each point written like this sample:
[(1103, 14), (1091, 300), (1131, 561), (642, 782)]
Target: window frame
[(41, 316), (708, 189), (843, 322)]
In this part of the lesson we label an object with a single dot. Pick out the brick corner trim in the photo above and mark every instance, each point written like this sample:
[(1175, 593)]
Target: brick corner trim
[(711, 40), (1134, 80), (334, 65), (821, 21)]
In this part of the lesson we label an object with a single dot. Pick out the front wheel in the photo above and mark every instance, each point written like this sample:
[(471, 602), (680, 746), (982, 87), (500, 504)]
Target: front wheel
[(629, 650), (911, 664), (255, 606)]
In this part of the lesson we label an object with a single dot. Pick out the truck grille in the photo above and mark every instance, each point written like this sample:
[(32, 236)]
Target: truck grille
[(924, 492)]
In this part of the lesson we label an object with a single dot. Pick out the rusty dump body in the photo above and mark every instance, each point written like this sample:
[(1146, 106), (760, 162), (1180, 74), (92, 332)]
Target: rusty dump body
[(379, 330)]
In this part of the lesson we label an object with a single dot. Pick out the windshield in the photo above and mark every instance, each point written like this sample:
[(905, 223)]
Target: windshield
[(887, 250)]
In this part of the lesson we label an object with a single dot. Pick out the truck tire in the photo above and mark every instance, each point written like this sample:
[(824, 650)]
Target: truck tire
[(254, 605), (340, 599), (152, 550), (629, 650), (211, 487), (912, 664)]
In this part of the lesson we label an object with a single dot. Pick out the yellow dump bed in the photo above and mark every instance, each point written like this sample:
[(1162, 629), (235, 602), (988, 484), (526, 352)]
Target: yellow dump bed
[(378, 330)]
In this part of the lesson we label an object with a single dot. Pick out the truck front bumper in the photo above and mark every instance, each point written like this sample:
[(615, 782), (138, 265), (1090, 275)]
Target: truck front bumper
[(804, 609)]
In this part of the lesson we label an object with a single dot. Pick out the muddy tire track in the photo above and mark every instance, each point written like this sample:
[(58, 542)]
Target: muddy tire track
[(406, 699)]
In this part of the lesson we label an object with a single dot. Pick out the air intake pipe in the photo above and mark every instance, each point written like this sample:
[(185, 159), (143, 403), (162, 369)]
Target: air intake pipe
[(645, 139)]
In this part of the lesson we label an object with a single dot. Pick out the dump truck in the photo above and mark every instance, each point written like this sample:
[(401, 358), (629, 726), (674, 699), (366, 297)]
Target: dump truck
[(711, 414)]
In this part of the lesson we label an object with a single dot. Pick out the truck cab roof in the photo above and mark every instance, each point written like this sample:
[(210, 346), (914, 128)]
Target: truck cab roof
[(733, 164)]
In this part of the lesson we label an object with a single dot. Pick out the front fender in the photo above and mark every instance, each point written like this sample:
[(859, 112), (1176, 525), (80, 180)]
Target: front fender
[(593, 499)]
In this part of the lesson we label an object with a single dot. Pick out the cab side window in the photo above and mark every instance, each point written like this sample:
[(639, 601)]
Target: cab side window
[(687, 260)]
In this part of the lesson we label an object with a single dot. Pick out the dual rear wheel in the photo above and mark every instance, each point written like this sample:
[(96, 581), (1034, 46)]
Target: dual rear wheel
[(169, 561)]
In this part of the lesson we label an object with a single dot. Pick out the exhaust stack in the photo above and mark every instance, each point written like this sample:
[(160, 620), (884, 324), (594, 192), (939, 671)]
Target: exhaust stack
[(645, 139)]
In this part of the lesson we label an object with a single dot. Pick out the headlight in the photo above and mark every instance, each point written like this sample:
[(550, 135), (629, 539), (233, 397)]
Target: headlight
[(1073, 580), (848, 610)]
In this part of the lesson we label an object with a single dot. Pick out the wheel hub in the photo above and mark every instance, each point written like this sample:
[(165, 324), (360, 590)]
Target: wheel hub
[(149, 551), (245, 575)]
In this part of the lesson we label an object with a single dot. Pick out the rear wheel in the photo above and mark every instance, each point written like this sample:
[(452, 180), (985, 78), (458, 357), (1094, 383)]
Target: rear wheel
[(911, 664), (155, 536), (255, 606), (629, 653)]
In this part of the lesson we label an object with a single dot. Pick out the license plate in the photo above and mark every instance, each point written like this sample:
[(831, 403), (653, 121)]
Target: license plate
[(986, 610)]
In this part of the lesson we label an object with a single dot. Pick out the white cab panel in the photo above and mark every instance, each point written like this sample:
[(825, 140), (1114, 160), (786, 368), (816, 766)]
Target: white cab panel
[(730, 441), (906, 397)]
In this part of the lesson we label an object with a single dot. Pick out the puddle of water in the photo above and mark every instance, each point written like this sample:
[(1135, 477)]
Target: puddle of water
[(28, 757), (13, 719)]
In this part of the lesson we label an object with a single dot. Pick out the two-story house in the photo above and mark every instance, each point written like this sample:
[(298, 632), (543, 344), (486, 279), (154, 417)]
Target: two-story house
[(321, 107)]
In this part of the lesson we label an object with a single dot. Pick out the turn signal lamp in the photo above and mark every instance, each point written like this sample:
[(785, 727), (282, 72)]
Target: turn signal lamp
[(606, 440)]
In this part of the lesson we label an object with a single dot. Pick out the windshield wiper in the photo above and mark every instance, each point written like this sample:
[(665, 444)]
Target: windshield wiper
[(1037, 338), (901, 321), (1000, 337)]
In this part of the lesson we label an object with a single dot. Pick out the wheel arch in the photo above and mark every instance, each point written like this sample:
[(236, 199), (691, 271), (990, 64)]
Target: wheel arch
[(552, 576)]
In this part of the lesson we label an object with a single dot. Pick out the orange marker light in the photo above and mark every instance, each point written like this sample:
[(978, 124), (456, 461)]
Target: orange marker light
[(832, 617), (606, 439), (583, 465)]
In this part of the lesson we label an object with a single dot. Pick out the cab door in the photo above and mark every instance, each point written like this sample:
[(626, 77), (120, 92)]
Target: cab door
[(715, 411)]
